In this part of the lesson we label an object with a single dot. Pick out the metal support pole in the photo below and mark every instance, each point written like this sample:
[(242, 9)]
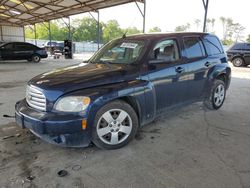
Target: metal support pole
[(50, 39), (24, 34), (205, 16), (1, 31), (70, 36), (144, 17), (98, 29), (143, 14), (35, 34)]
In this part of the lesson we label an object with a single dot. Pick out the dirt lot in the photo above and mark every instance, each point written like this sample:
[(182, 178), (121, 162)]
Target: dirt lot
[(187, 148)]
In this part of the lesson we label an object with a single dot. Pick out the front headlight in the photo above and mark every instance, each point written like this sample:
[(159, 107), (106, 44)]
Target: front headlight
[(72, 104)]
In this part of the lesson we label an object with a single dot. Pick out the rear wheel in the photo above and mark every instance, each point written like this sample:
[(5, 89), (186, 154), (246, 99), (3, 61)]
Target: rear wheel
[(115, 125), (36, 58), (238, 62), (216, 96)]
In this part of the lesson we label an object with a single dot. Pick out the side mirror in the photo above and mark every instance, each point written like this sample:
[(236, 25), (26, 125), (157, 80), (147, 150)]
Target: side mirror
[(156, 61)]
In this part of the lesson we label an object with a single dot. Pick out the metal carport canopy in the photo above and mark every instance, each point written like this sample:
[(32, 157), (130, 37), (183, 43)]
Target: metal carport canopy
[(29, 12)]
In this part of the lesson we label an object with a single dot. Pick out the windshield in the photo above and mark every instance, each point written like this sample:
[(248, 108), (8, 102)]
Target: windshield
[(119, 51)]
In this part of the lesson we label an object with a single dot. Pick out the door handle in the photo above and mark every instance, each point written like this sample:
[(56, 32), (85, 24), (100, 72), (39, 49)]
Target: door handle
[(207, 64), (179, 69)]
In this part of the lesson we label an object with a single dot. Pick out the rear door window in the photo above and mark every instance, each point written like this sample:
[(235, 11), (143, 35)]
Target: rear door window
[(193, 47), (213, 45), (20, 46)]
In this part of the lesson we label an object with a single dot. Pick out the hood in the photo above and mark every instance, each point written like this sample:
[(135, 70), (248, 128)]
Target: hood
[(83, 76)]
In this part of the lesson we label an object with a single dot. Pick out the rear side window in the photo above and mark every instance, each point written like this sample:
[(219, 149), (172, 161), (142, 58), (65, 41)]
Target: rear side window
[(237, 46), (247, 47), (213, 45), (193, 47)]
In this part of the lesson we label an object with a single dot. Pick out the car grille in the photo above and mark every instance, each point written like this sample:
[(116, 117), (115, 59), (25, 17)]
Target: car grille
[(35, 98)]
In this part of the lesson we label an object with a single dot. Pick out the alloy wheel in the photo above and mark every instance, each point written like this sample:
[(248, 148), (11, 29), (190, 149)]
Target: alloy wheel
[(219, 95), (114, 126)]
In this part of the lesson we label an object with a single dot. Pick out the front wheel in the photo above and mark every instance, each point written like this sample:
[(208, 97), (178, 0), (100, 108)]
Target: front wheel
[(115, 125), (216, 96)]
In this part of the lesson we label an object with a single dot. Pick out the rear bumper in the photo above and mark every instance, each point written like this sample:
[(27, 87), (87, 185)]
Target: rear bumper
[(55, 128)]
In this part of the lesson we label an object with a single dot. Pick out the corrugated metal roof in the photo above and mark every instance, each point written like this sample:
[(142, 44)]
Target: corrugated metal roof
[(28, 12)]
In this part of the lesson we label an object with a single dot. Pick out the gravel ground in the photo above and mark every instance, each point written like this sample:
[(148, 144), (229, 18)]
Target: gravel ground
[(187, 148)]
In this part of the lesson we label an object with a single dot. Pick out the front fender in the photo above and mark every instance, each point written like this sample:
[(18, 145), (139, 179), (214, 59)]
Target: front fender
[(104, 94)]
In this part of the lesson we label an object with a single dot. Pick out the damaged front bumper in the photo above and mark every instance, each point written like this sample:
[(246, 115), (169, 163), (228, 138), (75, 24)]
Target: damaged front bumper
[(56, 128)]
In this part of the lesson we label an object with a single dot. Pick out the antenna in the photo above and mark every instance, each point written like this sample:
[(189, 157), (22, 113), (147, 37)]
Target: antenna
[(124, 34)]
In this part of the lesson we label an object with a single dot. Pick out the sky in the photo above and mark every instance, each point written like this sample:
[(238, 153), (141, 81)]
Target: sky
[(167, 14)]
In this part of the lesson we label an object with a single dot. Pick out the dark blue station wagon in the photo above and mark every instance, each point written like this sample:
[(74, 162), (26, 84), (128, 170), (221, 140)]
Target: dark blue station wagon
[(125, 85)]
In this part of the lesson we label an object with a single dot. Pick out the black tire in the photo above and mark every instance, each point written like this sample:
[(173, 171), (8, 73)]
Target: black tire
[(35, 58), (104, 142), (238, 62), (211, 101)]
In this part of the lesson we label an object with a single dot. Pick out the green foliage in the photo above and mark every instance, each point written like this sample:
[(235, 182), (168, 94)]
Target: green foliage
[(111, 30), (182, 28), (248, 39), (227, 42), (131, 31), (85, 29), (154, 29), (58, 32)]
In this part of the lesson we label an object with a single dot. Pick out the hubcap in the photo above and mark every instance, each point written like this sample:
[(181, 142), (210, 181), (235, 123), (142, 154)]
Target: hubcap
[(238, 62), (36, 58), (219, 95), (114, 126)]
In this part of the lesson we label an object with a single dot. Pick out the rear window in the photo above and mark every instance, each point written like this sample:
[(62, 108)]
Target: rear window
[(213, 45), (193, 47)]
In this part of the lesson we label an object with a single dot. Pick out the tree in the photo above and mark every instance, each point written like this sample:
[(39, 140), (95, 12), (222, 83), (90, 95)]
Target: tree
[(231, 31), (182, 28), (58, 31), (248, 39), (154, 29), (131, 31), (111, 30), (85, 29), (210, 25), (197, 23)]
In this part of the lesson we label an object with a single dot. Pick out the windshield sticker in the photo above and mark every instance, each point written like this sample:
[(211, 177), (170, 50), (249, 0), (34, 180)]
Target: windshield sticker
[(129, 45)]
